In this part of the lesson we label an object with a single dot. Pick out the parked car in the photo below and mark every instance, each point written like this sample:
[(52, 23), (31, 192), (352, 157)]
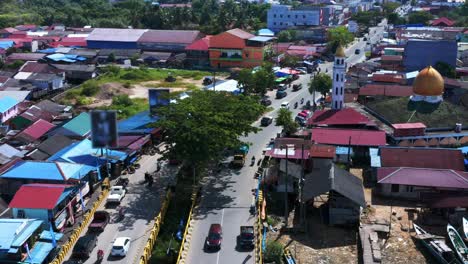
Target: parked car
[(357, 51), (117, 193), (100, 221), (215, 237), (265, 102), (282, 87), (246, 238), (266, 121), (281, 94), (122, 182), (297, 87), (121, 246), (302, 70), (285, 105), (84, 246), (300, 120)]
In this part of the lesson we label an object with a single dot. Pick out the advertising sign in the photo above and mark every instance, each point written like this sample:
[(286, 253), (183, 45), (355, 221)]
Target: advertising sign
[(104, 129), (157, 98)]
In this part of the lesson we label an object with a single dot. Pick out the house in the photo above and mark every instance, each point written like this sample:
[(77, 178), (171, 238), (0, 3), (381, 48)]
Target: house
[(120, 55), (19, 96), (8, 108), (77, 72), (114, 38), (17, 233), (43, 81), (156, 58), (31, 115), (174, 41), (51, 203), (348, 137), (416, 51), (37, 67), (6, 32), (77, 128), (49, 147), (442, 22), (24, 57), (23, 172), (374, 89), (7, 153), (237, 48), (35, 132), (347, 117), (52, 107), (344, 191)]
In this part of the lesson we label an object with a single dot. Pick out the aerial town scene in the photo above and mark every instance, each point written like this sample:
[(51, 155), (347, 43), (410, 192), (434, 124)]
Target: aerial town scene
[(233, 131)]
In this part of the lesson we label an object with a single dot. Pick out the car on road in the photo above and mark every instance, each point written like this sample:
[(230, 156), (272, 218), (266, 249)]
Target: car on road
[(281, 94), (246, 237), (297, 87), (266, 121), (285, 105), (357, 51), (215, 237), (120, 247), (301, 70), (265, 102), (117, 193), (282, 87), (100, 221), (84, 246)]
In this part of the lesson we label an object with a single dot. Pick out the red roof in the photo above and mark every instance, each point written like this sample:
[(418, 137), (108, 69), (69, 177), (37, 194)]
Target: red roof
[(434, 158), (391, 58), (359, 137), (185, 37), (36, 130), (38, 196), (423, 177), (408, 125), (8, 30), (386, 90), (443, 21), (346, 116), (452, 82), (394, 78), (322, 151), (240, 33), (201, 44), (35, 113)]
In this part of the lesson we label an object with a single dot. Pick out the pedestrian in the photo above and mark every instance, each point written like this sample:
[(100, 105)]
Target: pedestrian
[(147, 176)]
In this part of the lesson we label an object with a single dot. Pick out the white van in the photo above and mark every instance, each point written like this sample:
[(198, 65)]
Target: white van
[(285, 105)]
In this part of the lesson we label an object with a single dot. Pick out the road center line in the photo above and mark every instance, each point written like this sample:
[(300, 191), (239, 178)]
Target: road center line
[(222, 219)]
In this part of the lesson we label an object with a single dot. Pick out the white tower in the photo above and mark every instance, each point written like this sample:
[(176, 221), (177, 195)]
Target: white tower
[(339, 70)]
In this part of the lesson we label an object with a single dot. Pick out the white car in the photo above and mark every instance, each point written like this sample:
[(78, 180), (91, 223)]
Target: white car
[(285, 105), (117, 193), (120, 247)]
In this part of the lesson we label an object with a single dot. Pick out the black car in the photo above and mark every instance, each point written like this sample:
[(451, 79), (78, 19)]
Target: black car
[(265, 102), (266, 120), (281, 94), (357, 51), (246, 237), (84, 246), (297, 87)]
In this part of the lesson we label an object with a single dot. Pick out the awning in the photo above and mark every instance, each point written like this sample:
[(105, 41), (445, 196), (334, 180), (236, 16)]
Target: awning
[(39, 252), (46, 235), (138, 144), (292, 154)]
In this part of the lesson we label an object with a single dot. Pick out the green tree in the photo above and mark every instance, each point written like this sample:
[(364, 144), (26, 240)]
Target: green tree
[(111, 58), (245, 80), (338, 36), (445, 69), (286, 35), (288, 61), (420, 17), (285, 120), (321, 83), (274, 252), (15, 65), (199, 128)]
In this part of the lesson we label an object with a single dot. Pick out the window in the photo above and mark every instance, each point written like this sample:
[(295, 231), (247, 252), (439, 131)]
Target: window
[(303, 16), (395, 188), (409, 188), (274, 15), (296, 16), (341, 90), (281, 23), (274, 23), (281, 16), (336, 104), (21, 214), (337, 76), (341, 104), (341, 77), (289, 16)]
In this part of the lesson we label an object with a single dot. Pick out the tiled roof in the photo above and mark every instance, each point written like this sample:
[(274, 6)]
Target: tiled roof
[(240, 33), (437, 178), (346, 116), (170, 36), (36, 130), (434, 158), (80, 125), (342, 137), (38, 196)]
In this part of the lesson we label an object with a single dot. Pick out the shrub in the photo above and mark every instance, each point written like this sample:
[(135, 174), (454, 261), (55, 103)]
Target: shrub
[(273, 252), (90, 88), (122, 100), (80, 100)]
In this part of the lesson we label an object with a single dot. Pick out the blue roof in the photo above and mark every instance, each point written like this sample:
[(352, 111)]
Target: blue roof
[(261, 39), (343, 151), (137, 123), (6, 44), (7, 103), (83, 153), (266, 32), (65, 57), (47, 51), (14, 232), (39, 252), (54, 171), (464, 150), (46, 235), (80, 125)]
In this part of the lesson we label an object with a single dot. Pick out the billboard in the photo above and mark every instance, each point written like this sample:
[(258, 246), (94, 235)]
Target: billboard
[(157, 98), (104, 129)]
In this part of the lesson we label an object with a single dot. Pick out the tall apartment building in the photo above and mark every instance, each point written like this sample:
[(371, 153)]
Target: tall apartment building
[(281, 17)]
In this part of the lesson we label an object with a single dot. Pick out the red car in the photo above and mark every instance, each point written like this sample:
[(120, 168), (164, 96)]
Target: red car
[(215, 237)]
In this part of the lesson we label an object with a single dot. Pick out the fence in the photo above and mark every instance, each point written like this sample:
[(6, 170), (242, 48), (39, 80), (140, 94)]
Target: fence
[(183, 247), (259, 228), (76, 233), (158, 220)]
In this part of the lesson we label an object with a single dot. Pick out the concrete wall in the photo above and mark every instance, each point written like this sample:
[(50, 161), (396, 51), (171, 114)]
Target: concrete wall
[(403, 192), (12, 112)]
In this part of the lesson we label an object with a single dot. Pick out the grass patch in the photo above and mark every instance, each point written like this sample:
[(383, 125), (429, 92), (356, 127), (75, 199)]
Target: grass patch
[(396, 111), (179, 208), (126, 106)]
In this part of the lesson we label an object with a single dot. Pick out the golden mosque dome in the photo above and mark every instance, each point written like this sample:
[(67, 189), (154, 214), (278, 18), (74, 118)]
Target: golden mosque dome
[(340, 52), (429, 82)]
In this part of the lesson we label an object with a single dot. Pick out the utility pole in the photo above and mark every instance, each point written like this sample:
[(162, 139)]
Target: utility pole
[(214, 81), (301, 188), (286, 209)]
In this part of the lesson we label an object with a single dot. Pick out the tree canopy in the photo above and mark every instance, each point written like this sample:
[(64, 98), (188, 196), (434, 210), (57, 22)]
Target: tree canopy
[(321, 83), (339, 36), (257, 82), (199, 128), (445, 69), (420, 17), (285, 120)]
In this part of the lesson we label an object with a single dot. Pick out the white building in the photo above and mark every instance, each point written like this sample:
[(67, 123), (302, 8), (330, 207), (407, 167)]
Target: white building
[(339, 71)]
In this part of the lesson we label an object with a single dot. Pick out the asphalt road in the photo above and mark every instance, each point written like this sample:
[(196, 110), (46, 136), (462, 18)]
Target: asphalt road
[(141, 204), (227, 196)]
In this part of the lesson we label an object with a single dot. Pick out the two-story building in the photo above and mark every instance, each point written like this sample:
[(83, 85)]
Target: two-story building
[(237, 48)]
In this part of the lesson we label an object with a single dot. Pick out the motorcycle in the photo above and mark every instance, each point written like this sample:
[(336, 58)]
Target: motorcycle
[(302, 100), (253, 161), (100, 255), (295, 105)]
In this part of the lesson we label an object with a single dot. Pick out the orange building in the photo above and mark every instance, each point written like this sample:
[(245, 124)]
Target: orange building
[(237, 48)]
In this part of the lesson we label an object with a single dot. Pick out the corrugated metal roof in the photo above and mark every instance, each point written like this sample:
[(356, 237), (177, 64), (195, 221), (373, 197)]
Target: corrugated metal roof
[(23, 75), (12, 229), (261, 39), (409, 125), (322, 151), (19, 96), (342, 136), (386, 90), (346, 116), (26, 56), (116, 34), (435, 158), (423, 177), (201, 44), (7, 103), (38, 196), (36, 130), (137, 123), (169, 36), (53, 171), (8, 151), (80, 125), (240, 33)]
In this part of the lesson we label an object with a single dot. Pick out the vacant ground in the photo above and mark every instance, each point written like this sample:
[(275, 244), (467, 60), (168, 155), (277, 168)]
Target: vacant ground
[(396, 111)]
